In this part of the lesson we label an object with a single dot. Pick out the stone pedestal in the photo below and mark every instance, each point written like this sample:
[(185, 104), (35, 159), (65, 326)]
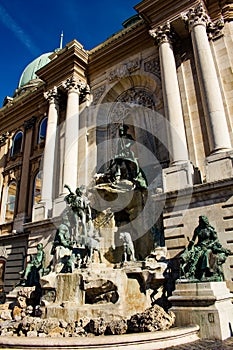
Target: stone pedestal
[(219, 166), (207, 304), (178, 176)]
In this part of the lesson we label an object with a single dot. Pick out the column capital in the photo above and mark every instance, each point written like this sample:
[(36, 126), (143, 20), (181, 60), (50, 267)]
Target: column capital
[(29, 124), (52, 95), (74, 84), (4, 137), (163, 34), (215, 28), (196, 16)]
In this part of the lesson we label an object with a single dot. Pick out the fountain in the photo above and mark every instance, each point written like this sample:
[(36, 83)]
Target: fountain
[(98, 279)]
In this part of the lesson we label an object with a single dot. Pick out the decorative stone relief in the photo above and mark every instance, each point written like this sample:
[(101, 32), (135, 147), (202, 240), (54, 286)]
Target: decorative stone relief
[(124, 70), (122, 108), (97, 93), (152, 66), (123, 104), (137, 96)]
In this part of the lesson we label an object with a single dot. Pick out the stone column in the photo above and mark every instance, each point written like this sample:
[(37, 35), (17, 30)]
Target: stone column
[(171, 95), (177, 143), (218, 134), (22, 208), (49, 154), (74, 88)]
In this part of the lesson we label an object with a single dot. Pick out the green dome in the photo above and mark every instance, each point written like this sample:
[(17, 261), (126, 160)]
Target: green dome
[(29, 72)]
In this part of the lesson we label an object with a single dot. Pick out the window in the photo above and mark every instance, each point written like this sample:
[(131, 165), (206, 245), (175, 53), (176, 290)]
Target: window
[(10, 202), (17, 143), (37, 188), (42, 130)]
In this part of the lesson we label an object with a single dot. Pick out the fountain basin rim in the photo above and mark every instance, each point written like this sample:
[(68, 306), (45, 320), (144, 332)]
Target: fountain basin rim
[(146, 340)]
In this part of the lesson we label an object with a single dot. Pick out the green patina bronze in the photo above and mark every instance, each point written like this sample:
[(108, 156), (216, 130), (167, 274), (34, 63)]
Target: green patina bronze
[(204, 256), (125, 165), (35, 268)]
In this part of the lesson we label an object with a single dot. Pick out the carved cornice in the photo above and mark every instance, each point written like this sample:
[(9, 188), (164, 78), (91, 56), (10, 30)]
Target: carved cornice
[(196, 16), (163, 34), (4, 137), (52, 95), (29, 124), (116, 37)]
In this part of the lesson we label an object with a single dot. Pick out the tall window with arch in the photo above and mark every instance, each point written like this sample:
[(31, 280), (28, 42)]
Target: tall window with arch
[(17, 143), (37, 188), (10, 201), (42, 130)]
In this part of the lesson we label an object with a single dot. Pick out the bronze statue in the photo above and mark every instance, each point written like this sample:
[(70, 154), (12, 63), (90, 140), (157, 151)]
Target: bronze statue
[(124, 166), (203, 261), (31, 275), (80, 206), (63, 247)]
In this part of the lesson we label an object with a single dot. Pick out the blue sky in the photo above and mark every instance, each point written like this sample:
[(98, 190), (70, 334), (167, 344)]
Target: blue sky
[(29, 28)]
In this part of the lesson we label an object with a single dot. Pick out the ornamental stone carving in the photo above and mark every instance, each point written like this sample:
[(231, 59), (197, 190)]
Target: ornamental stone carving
[(29, 124), (152, 66), (4, 137), (196, 16), (97, 93), (122, 108), (85, 92), (74, 85), (162, 34), (137, 97), (124, 70), (215, 28), (52, 95), (133, 96)]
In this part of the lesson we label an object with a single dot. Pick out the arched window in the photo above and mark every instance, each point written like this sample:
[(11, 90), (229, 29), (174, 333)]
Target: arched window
[(42, 130), (10, 201), (37, 188), (17, 143)]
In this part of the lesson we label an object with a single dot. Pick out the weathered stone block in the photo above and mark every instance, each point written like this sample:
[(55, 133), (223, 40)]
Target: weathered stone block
[(207, 304)]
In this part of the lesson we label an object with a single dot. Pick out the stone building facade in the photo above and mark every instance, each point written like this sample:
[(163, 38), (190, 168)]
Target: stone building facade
[(168, 76)]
